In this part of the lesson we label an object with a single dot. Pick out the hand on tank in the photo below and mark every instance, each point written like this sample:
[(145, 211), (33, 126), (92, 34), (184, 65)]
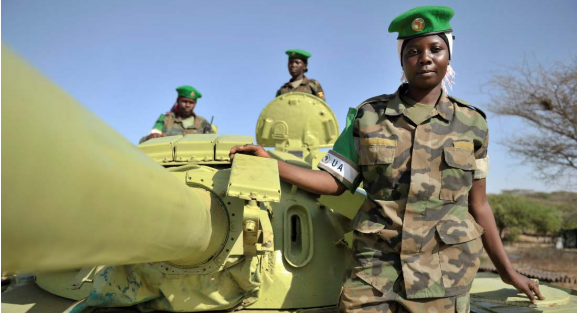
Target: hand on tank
[(524, 284), (155, 135), (249, 149)]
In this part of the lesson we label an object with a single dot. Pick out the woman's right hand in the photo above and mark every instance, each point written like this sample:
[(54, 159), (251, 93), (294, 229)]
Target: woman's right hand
[(155, 135), (523, 284), (317, 182), (249, 149)]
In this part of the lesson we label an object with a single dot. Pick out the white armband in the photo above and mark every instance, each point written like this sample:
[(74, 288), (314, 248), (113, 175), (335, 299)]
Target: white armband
[(482, 168)]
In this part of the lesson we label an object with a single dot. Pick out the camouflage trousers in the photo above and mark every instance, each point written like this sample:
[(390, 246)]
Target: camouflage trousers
[(374, 282), (359, 297)]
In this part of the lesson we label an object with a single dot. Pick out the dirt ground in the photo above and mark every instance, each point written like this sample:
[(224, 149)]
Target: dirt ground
[(539, 253)]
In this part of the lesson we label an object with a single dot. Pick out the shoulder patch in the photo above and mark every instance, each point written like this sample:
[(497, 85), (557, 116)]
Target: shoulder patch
[(380, 98), (466, 104)]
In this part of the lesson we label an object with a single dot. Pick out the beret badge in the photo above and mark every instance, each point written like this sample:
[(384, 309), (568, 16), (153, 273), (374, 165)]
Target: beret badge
[(418, 24)]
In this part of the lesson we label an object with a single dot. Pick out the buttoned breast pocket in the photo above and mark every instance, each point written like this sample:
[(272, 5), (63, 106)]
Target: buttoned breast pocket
[(376, 151), (457, 170), (376, 157), (459, 250)]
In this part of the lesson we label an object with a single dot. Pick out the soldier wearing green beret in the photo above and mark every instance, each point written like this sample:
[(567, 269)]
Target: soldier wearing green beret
[(422, 156), (181, 119), (297, 67)]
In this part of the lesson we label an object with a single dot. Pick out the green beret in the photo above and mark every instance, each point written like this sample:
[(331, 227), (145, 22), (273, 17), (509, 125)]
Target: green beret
[(422, 21), (298, 54), (188, 92)]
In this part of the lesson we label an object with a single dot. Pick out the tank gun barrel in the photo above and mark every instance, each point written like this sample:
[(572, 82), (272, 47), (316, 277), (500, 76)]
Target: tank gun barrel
[(76, 193)]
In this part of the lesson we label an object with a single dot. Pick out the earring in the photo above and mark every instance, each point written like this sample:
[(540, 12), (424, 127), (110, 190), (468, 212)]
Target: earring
[(403, 79)]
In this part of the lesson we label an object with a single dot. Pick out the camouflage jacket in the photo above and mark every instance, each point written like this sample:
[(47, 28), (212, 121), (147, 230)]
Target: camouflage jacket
[(309, 86), (171, 125), (417, 179)]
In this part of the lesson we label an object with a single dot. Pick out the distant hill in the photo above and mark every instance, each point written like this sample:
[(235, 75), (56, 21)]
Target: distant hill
[(554, 198)]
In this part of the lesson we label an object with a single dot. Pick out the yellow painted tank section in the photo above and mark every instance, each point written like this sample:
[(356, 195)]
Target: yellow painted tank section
[(76, 193), (59, 283), (297, 122), (254, 178), (314, 278), (493, 290)]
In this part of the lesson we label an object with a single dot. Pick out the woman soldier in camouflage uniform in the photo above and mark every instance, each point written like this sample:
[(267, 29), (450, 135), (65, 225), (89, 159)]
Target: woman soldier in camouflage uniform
[(298, 60), (422, 157), (181, 119)]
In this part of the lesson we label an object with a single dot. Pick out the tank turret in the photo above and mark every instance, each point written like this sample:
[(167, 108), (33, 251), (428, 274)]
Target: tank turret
[(298, 124), (198, 232)]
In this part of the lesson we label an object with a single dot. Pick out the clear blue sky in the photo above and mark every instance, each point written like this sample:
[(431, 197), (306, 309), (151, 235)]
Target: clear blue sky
[(124, 59)]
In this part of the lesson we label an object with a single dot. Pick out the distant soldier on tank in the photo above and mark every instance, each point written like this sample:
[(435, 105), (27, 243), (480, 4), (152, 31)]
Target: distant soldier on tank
[(297, 67), (181, 119)]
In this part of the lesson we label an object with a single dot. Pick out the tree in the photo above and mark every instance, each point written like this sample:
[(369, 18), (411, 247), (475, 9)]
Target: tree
[(544, 219), (568, 215), (515, 214), (510, 213), (546, 98)]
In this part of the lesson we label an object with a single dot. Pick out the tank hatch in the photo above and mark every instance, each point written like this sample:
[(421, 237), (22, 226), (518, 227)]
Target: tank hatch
[(297, 123), (494, 295)]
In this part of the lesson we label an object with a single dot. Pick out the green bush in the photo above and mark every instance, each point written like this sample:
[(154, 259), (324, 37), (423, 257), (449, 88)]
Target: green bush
[(509, 212), (568, 215), (514, 215), (545, 219), (512, 234)]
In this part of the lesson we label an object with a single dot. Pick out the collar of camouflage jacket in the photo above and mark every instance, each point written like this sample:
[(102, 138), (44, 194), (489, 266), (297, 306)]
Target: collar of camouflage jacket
[(178, 119), (396, 105), (305, 81)]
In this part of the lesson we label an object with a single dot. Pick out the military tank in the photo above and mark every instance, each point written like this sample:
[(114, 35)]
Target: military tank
[(172, 224)]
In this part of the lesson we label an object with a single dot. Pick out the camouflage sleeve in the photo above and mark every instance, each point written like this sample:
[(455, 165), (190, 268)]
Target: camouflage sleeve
[(481, 142), (157, 128), (482, 159), (341, 161), (320, 92), (317, 89)]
